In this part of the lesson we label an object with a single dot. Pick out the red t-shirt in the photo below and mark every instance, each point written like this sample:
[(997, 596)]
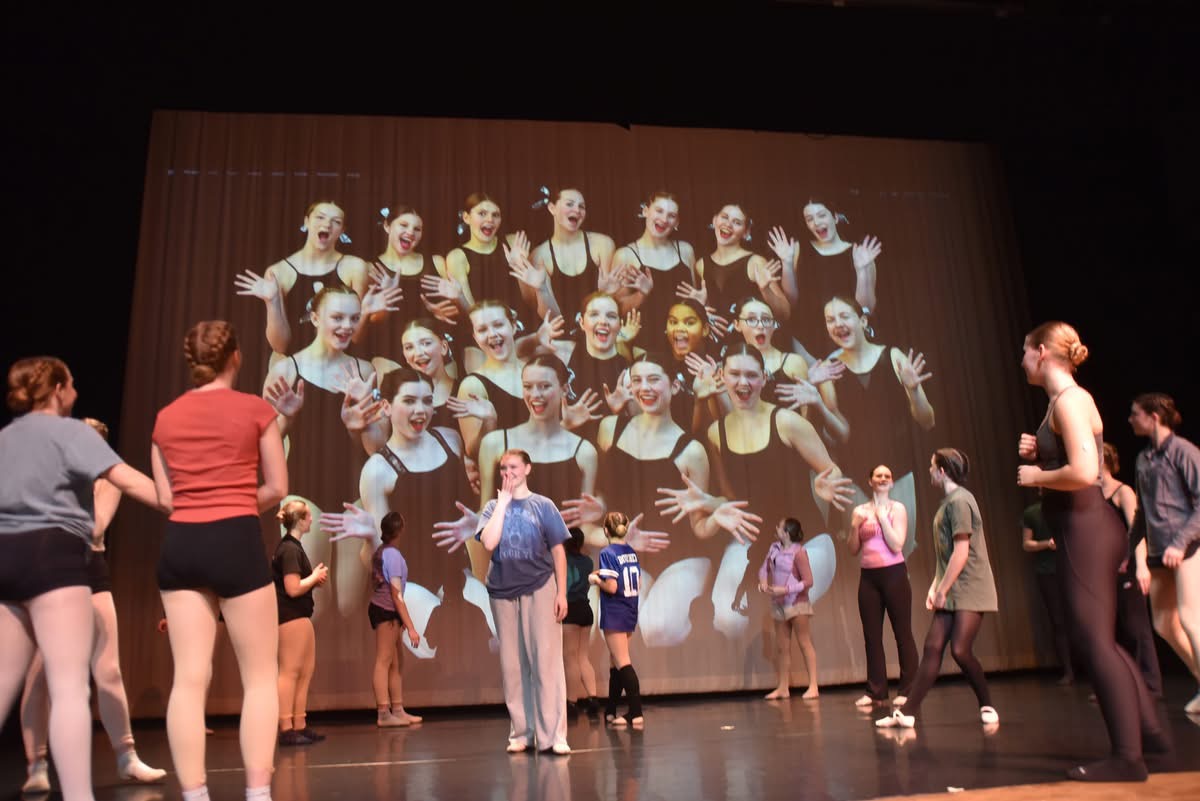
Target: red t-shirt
[(209, 441)]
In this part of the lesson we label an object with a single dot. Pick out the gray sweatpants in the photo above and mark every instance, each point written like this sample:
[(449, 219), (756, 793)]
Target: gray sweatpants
[(531, 666)]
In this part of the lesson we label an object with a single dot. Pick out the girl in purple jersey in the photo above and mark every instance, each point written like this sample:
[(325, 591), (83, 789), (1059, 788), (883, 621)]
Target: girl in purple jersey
[(619, 579)]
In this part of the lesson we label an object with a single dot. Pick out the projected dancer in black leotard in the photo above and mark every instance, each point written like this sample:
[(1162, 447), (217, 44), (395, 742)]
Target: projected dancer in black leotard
[(732, 272), (425, 292), (882, 399), (1091, 546), (575, 259), (652, 268), (288, 285), (831, 267), (320, 392)]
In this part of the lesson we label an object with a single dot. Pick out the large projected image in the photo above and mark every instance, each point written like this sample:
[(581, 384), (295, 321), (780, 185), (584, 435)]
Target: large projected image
[(714, 330)]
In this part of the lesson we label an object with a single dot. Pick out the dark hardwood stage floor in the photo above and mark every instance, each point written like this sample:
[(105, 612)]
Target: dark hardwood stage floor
[(692, 747)]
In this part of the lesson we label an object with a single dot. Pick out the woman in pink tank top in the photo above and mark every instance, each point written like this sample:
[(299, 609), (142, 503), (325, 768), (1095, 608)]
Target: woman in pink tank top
[(878, 530)]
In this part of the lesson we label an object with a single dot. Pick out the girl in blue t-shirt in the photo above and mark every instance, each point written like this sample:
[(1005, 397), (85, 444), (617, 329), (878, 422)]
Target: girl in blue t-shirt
[(390, 619), (619, 579)]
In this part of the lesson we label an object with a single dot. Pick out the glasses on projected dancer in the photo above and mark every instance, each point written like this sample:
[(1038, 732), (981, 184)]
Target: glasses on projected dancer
[(759, 322)]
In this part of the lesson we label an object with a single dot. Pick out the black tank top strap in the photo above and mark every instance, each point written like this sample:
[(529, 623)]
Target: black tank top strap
[(504, 433), (723, 443), (680, 443), (774, 426), (678, 251), (392, 459), (442, 441), (1110, 497), (289, 264), (296, 367), (578, 445), (358, 366), (336, 267), (636, 255), (553, 258), (587, 251), (619, 428)]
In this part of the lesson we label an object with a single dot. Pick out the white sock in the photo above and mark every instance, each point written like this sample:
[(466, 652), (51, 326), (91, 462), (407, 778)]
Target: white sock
[(130, 767), (199, 794), (259, 793)]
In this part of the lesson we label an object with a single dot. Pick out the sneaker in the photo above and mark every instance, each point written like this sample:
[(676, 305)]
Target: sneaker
[(39, 777), (897, 720), (988, 714), (516, 746), (864, 701), (562, 749)]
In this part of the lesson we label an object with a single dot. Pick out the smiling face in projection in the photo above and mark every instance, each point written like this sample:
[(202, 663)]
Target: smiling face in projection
[(325, 223), (730, 225), (686, 330), (411, 411), (424, 351), (651, 388), (744, 379), (601, 322), (404, 233), (542, 392), (483, 220), (336, 320), (757, 323), (569, 211), (821, 222), (662, 217), (844, 324), (493, 332)]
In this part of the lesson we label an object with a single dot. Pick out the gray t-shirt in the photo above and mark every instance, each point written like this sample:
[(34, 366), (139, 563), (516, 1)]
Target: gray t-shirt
[(974, 590), (522, 562), (50, 464)]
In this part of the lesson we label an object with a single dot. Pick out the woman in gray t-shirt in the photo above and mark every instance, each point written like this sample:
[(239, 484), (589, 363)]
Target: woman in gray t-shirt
[(51, 463), (961, 591)]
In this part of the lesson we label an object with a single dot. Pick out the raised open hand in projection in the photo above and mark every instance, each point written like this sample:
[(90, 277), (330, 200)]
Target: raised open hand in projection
[(452, 534), (797, 394), (586, 509), (617, 398), (383, 277), (353, 523), (377, 300), (837, 491), (553, 327), (521, 268), (582, 411), (609, 279), (741, 524), (707, 374), (689, 292), (435, 286), (644, 541), (782, 245), (445, 310), (912, 370), (765, 273), (826, 370), (471, 406), (254, 285), (718, 325), (286, 400), (865, 252), (640, 280), (631, 327)]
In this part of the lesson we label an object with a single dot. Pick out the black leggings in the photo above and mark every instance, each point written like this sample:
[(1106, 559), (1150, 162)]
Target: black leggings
[(880, 590), (958, 629), (1052, 597), (1134, 632), (1091, 546)]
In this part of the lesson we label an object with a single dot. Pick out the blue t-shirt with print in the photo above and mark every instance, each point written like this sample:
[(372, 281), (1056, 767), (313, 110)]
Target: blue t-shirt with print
[(522, 562)]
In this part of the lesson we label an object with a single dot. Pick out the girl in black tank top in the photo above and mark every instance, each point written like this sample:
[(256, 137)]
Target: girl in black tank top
[(498, 379), (668, 262), (654, 306), (571, 288), (419, 473), (572, 279), (726, 272), (1091, 544)]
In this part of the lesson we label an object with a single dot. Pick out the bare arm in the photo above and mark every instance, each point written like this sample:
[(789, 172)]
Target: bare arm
[(137, 485), (105, 499), (274, 469), (1030, 545), (895, 532), (279, 332), (1074, 414)]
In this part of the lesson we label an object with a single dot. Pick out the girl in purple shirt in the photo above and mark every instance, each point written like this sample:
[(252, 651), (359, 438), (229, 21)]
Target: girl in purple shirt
[(786, 577)]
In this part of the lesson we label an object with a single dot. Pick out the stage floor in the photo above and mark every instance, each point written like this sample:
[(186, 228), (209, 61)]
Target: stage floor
[(693, 748)]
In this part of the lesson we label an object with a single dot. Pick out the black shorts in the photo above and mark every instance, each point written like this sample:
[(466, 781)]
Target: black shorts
[(1156, 561), (35, 562), (225, 556), (378, 616), (579, 613), (97, 567)]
